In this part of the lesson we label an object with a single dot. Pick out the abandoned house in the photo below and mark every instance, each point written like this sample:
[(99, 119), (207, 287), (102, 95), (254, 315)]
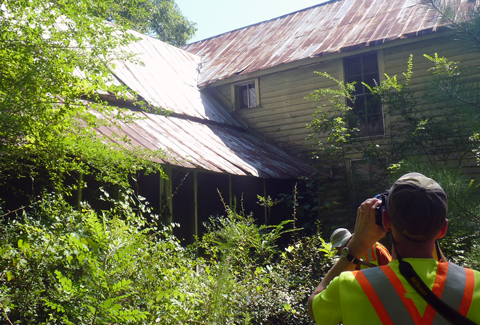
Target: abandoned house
[(238, 100)]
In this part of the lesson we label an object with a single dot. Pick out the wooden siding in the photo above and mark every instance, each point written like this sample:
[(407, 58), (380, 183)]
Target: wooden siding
[(396, 64), (285, 113)]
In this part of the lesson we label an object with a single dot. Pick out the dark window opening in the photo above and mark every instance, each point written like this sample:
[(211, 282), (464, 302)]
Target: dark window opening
[(247, 95), (367, 109)]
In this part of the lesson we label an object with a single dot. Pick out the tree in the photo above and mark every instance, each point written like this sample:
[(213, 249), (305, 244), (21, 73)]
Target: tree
[(163, 21), (56, 57)]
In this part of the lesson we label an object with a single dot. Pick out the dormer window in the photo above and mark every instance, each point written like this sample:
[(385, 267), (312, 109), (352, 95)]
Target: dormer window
[(246, 94)]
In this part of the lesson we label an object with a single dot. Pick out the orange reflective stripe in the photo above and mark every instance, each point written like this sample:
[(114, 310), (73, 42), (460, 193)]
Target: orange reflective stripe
[(370, 255), (388, 296), (373, 297), (468, 294), (438, 286), (382, 254), (455, 292), (401, 291), (381, 250), (453, 284)]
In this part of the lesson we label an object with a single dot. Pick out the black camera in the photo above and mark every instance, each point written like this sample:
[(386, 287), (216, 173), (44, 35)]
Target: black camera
[(379, 209)]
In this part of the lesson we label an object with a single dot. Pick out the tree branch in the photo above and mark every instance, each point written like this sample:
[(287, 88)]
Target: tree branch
[(5, 312)]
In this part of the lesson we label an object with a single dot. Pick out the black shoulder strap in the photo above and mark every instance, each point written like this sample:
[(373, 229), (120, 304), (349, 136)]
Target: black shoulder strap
[(407, 271), (441, 307)]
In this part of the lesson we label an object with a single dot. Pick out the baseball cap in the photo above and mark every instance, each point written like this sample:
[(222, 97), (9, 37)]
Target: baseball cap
[(340, 237), (417, 206)]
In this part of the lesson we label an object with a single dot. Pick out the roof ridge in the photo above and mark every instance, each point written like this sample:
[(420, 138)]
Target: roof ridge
[(261, 22)]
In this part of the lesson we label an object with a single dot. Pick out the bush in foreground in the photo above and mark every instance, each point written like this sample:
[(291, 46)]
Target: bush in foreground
[(61, 266)]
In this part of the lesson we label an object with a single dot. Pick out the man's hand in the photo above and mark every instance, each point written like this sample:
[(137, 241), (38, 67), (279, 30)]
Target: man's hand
[(367, 232)]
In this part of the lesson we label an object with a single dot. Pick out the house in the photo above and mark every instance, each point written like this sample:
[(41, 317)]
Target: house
[(239, 114), (261, 73), (211, 158)]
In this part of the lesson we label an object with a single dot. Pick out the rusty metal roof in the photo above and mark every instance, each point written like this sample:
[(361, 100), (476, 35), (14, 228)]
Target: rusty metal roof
[(215, 148), (199, 133), (168, 79), (334, 26)]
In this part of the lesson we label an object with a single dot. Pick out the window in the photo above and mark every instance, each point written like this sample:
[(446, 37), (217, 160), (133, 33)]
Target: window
[(247, 97), (246, 94), (368, 115)]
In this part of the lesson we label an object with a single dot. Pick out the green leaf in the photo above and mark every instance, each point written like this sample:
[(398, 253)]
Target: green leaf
[(91, 308)]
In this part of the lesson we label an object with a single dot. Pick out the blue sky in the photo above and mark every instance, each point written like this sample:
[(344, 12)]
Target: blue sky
[(215, 17)]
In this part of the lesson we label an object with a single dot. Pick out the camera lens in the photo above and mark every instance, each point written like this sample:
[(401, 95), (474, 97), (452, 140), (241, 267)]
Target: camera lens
[(379, 209)]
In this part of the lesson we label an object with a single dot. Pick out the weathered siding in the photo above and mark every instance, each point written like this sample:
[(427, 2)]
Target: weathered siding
[(284, 112), (396, 63)]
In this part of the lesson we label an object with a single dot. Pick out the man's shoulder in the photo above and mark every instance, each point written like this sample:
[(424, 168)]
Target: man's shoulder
[(460, 266), (475, 272), (353, 275)]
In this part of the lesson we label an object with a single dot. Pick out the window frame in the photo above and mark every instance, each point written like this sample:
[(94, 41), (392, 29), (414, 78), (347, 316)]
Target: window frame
[(236, 94), (379, 71)]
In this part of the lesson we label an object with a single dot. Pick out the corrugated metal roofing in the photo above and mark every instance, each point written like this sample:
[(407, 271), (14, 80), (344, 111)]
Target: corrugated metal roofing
[(168, 79), (200, 133), (215, 148), (335, 26)]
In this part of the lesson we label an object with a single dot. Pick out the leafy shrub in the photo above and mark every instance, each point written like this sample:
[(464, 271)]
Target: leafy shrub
[(62, 266), (271, 284)]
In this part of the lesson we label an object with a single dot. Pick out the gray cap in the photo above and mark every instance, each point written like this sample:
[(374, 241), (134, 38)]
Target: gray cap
[(417, 206), (340, 237)]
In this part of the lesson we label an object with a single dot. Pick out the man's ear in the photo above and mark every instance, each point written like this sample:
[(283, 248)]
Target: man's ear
[(387, 224), (443, 231)]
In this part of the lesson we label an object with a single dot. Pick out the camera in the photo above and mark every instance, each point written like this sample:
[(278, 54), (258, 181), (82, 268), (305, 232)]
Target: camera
[(379, 209)]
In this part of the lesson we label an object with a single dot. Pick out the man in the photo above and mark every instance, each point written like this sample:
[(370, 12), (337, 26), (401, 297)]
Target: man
[(415, 218), (375, 256)]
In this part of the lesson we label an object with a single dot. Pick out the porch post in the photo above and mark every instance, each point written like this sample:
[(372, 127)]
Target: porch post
[(165, 199), (195, 194)]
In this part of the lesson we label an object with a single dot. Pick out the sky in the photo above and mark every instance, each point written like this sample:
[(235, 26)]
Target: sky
[(214, 17)]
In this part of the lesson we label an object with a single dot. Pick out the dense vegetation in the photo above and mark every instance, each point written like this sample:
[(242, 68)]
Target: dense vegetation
[(161, 19), (62, 266), (57, 57)]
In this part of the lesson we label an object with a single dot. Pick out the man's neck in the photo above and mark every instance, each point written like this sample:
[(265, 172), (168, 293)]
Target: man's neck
[(411, 249)]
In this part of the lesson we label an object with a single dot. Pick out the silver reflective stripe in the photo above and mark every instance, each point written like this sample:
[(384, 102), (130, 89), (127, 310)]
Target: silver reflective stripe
[(452, 294), (453, 291), (385, 291)]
